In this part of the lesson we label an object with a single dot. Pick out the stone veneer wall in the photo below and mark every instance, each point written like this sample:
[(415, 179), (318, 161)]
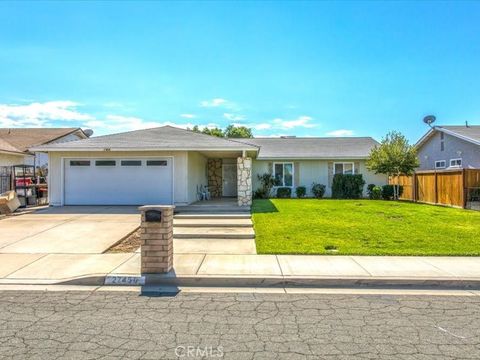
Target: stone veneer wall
[(214, 172), (244, 181)]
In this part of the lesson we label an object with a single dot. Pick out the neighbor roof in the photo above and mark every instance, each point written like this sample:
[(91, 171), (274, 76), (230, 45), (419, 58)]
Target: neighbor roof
[(470, 133), (9, 148), (161, 138), (313, 148), (25, 138)]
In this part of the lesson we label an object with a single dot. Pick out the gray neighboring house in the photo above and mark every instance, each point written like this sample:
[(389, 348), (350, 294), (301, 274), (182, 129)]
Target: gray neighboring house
[(167, 165), (449, 147)]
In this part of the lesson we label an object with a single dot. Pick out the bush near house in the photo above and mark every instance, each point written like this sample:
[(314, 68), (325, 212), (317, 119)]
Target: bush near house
[(374, 192), (267, 182), (388, 191), (347, 186), (284, 192), (318, 190), (301, 191)]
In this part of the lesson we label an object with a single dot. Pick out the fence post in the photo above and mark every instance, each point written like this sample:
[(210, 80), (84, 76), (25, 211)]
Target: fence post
[(436, 188), (414, 187), (464, 189)]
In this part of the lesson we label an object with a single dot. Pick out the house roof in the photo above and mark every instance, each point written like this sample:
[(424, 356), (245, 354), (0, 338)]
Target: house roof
[(470, 133), (6, 147), (313, 148), (24, 138), (161, 138)]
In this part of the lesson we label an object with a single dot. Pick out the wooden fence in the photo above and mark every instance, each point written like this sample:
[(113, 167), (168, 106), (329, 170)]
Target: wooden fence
[(455, 187)]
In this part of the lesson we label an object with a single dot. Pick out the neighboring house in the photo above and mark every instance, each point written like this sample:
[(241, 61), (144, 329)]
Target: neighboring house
[(444, 147), (15, 142), (167, 165)]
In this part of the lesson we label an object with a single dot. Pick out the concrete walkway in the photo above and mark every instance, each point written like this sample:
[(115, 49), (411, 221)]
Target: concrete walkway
[(235, 270)]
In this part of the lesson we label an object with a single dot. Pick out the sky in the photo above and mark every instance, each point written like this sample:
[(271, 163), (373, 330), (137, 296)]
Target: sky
[(281, 68)]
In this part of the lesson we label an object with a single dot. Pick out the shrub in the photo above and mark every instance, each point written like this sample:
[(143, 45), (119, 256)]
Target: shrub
[(376, 193), (259, 194), (387, 191), (347, 186), (318, 190), (284, 192), (267, 182), (301, 191), (369, 190)]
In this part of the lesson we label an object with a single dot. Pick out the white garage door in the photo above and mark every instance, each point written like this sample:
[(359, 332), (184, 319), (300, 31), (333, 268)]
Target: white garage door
[(139, 181)]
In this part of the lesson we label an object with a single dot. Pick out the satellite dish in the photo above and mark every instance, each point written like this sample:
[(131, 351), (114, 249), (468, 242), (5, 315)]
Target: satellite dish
[(88, 132), (429, 120)]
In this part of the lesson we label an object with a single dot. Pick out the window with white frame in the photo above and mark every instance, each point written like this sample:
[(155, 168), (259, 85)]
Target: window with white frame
[(440, 164), (455, 162), (343, 168), (283, 173)]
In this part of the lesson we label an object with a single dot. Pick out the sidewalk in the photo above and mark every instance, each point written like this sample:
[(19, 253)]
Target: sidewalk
[(245, 270)]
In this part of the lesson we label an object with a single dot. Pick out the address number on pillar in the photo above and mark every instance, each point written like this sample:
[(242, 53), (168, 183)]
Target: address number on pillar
[(125, 280)]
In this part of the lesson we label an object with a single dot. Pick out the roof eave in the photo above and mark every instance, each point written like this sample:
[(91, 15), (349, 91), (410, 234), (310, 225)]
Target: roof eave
[(107, 149), (312, 158)]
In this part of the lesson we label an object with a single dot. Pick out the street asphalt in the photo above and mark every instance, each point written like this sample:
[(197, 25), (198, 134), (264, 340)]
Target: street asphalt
[(111, 325)]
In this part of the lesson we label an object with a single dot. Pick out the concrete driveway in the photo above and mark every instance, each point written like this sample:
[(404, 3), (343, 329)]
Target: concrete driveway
[(68, 230)]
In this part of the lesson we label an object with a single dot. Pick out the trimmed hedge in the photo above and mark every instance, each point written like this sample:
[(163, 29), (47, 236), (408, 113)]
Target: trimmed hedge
[(301, 191), (318, 190), (284, 192), (387, 191), (347, 186)]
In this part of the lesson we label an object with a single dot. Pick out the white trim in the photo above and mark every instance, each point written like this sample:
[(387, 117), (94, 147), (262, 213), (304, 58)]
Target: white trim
[(343, 163), (456, 166), (293, 173), (441, 167), (427, 136), (62, 170)]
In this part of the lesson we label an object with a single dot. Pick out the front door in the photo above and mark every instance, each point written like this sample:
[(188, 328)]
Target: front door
[(229, 176)]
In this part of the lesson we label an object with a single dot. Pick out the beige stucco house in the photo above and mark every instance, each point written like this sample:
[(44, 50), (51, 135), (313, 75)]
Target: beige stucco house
[(168, 165)]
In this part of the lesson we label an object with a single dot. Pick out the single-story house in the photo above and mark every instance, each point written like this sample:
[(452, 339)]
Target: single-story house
[(15, 143), (167, 165), (444, 147)]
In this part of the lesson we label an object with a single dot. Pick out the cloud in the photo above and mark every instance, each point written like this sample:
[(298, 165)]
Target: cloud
[(340, 133), (40, 114), (188, 116), (234, 117), (301, 121), (216, 102)]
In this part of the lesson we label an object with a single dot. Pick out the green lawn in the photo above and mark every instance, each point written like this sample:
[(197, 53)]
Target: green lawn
[(363, 227)]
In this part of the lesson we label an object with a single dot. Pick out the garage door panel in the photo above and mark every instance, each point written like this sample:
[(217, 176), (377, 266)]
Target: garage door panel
[(125, 183)]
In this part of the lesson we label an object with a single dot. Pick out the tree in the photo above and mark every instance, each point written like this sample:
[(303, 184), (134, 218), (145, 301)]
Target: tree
[(213, 132), (393, 157), (232, 131)]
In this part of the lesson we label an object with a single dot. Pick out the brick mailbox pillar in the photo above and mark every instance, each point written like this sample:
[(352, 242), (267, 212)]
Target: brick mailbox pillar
[(156, 239)]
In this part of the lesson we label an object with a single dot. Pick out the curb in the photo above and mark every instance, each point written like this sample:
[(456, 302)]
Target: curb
[(257, 281)]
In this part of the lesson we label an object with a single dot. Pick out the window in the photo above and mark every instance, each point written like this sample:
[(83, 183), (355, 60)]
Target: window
[(156, 162), (283, 173), (440, 164), (105, 163), (131, 163), (79, 163), (455, 162), (343, 168)]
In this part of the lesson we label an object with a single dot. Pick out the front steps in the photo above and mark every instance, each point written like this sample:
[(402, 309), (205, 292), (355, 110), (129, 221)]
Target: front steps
[(213, 233), (212, 209)]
